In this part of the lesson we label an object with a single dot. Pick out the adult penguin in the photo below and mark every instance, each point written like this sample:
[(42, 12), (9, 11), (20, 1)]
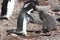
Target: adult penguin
[(24, 17), (7, 9)]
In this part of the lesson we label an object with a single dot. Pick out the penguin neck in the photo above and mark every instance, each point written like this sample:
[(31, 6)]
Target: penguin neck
[(29, 11)]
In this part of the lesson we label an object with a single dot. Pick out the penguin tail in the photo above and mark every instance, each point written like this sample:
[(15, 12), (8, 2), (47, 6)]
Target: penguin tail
[(3, 17)]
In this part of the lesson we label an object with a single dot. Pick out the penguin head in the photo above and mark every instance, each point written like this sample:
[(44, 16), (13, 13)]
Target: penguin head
[(34, 3), (31, 4)]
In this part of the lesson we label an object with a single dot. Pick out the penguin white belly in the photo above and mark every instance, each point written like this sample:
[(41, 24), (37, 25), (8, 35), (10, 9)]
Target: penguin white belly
[(25, 22), (10, 8)]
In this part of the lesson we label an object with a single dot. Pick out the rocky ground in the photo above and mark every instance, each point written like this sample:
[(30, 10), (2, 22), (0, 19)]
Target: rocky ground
[(12, 24)]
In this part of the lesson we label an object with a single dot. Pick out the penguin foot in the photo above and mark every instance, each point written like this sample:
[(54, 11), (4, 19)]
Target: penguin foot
[(45, 34)]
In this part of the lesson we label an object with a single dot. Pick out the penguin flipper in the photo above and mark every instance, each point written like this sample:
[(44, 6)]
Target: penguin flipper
[(31, 18)]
